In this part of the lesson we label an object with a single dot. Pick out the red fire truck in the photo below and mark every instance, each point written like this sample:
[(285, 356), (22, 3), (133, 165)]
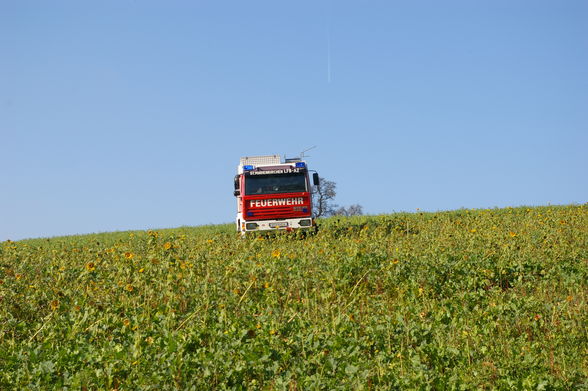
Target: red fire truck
[(273, 194)]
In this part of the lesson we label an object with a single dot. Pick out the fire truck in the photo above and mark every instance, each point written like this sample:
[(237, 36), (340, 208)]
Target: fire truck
[(273, 194)]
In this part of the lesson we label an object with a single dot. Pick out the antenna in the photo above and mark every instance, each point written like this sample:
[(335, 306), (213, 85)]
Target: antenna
[(302, 155), (298, 158)]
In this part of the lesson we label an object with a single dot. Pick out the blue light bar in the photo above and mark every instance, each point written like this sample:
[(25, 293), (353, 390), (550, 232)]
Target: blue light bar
[(249, 214), (248, 167), (300, 165)]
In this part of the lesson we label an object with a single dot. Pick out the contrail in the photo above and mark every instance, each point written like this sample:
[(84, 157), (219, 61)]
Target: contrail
[(328, 55), (328, 41)]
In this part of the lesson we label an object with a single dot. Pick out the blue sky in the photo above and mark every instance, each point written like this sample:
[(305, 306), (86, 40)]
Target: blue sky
[(121, 114)]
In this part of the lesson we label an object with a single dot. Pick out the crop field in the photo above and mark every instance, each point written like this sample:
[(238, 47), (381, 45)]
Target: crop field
[(467, 299)]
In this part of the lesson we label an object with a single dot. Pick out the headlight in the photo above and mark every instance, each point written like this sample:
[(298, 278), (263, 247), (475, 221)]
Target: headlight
[(305, 223), (251, 226)]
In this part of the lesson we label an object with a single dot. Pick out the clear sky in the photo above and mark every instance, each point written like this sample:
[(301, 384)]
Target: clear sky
[(121, 114)]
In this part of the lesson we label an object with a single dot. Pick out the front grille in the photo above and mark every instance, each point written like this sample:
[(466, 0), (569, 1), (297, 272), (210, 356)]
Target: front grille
[(275, 212)]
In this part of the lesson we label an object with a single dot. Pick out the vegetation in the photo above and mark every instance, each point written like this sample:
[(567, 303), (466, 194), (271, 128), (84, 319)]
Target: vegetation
[(469, 299)]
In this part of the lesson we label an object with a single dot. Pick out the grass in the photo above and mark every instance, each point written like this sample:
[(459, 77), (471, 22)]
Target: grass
[(468, 299)]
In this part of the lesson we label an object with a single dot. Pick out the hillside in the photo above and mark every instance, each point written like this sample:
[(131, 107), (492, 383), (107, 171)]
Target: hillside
[(464, 299)]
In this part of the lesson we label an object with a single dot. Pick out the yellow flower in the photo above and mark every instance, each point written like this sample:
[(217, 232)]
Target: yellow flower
[(512, 234), (149, 340), (276, 253), (54, 304), (129, 287), (395, 261), (141, 270), (126, 322), (473, 230), (90, 266), (167, 245), (129, 255)]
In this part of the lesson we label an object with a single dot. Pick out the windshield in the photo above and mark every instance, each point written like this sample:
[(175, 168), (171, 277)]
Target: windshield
[(275, 184)]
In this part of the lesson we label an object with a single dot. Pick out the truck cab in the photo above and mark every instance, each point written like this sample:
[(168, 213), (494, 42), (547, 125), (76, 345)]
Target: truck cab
[(273, 194)]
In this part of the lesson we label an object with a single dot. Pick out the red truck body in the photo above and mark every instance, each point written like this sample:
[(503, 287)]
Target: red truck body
[(272, 194)]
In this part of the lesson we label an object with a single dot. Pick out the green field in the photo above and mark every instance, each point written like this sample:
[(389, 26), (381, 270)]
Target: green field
[(467, 299)]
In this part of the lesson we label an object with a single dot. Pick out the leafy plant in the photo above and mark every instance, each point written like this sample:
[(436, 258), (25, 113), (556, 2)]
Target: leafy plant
[(466, 299)]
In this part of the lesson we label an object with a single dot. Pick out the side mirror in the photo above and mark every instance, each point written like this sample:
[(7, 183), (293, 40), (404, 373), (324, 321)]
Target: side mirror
[(237, 192), (315, 179)]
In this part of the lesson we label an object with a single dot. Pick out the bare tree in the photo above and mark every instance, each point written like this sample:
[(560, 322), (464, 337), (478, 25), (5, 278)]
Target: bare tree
[(323, 197), (352, 210)]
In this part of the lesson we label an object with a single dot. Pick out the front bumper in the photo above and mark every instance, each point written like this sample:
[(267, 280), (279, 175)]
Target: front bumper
[(284, 224)]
